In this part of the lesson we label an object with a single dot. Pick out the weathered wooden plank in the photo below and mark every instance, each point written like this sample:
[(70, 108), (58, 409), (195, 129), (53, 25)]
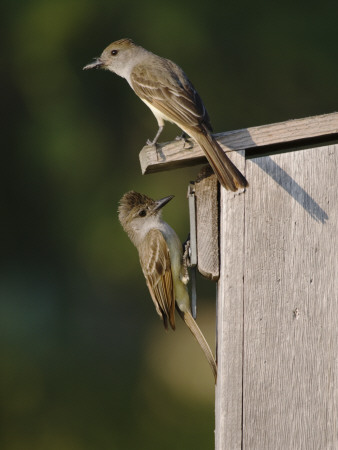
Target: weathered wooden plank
[(291, 306), (230, 318), (174, 154), (207, 220)]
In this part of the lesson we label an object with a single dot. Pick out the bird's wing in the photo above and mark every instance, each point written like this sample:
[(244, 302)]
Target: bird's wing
[(156, 266), (164, 85)]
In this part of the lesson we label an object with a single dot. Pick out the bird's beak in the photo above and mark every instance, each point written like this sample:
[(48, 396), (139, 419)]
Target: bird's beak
[(160, 203), (96, 64)]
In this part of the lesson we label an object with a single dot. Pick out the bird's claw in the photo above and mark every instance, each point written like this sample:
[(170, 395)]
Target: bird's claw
[(151, 143), (186, 140)]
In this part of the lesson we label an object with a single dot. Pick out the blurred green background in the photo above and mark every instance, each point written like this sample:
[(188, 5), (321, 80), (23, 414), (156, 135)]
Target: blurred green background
[(85, 362)]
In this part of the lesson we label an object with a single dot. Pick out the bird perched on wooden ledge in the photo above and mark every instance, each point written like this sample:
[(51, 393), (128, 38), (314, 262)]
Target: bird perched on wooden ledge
[(166, 90)]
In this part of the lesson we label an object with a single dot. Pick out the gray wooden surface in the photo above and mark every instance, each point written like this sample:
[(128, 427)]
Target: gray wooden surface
[(278, 307), (174, 154), (230, 317), (207, 220)]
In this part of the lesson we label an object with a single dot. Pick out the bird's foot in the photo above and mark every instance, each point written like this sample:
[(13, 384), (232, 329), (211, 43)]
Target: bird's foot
[(185, 261), (152, 143), (186, 140)]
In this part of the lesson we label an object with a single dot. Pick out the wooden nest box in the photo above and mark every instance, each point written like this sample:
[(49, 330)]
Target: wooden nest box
[(276, 261)]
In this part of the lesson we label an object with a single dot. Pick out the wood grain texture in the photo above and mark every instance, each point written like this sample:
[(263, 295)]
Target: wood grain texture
[(176, 154), (290, 298), (230, 318), (207, 219)]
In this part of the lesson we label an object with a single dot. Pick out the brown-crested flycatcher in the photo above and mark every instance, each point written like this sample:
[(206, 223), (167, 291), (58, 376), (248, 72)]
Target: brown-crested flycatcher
[(160, 252), (167, 91)]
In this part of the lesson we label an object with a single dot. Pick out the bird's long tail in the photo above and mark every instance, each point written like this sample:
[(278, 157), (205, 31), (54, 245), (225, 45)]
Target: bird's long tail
[(227, 173), (194, 328)]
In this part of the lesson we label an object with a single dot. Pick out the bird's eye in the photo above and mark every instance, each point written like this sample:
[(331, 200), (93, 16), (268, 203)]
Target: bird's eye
[(142, 213), (114, 52)]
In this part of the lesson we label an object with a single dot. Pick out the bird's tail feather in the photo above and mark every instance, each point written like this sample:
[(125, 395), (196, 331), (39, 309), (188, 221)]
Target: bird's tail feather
[(194, 328), (227, 173)]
